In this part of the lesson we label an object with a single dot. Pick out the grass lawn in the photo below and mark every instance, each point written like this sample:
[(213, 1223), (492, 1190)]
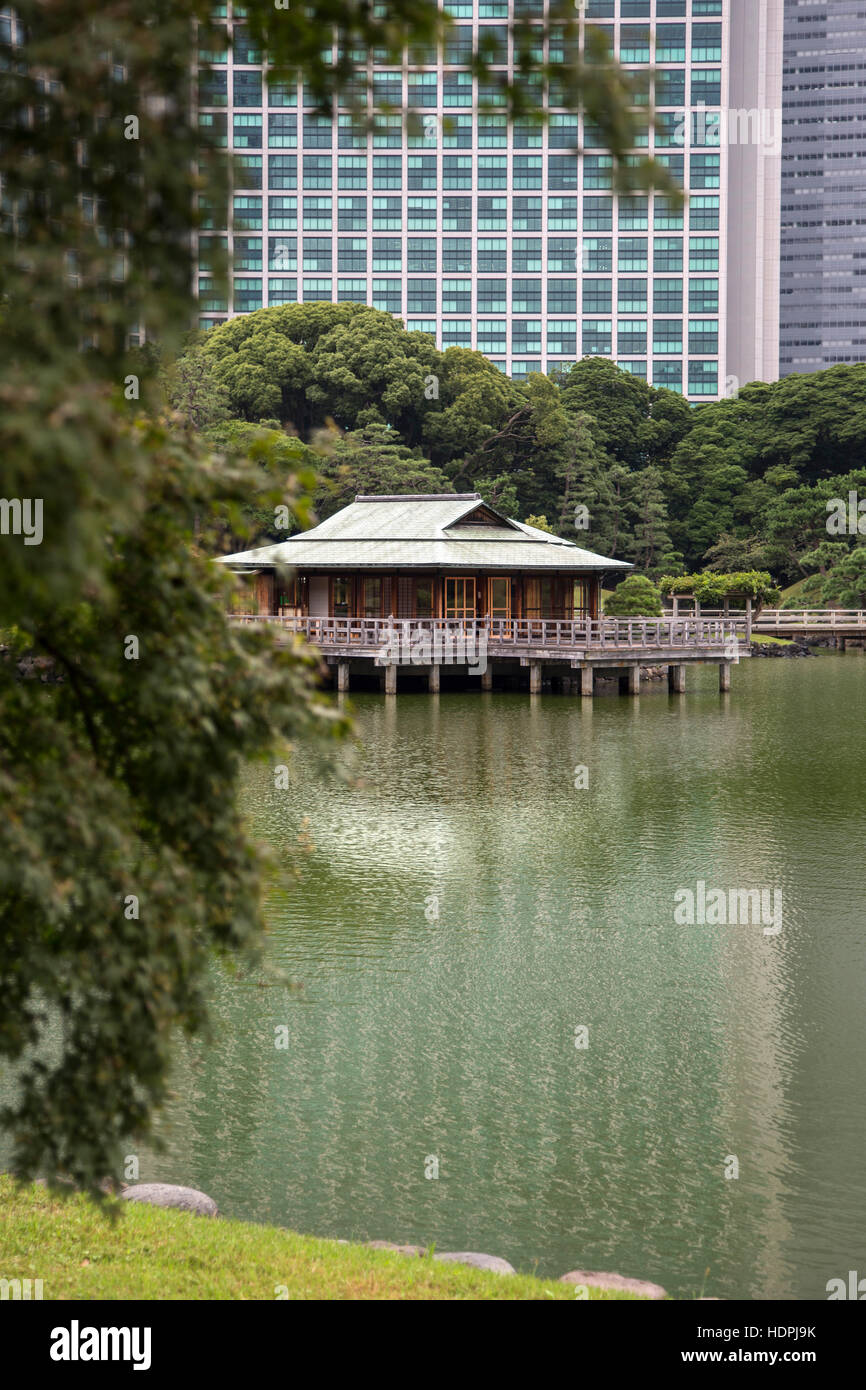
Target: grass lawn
[(793, 591), (765, 640), (148, 1253)]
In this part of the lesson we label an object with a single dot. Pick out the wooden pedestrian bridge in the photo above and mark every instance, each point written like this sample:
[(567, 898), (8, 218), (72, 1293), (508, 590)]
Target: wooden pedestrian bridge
[(569, 651), (802, 622)]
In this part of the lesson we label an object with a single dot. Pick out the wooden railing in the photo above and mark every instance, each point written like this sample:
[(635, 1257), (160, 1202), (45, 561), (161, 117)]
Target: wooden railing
[(554, 634), (811, 619)]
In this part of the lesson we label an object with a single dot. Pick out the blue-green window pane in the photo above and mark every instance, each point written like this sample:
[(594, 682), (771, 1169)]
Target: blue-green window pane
[(421, 296), (492, 255), (282, 214), (667, 336), (247, 132), (632, 256), (456, 296), (352, 214), (317, 171), (597, 337), (562, 214), (352, 291), (562, 296), (668, 254), (421, 255), (667, 296), (420, 215), (456, 332), (703, 296), (388, 214), (526, 296), (457, 214), (282, 130), (457, 256), (388, 295), (387, 254), (282, 253), (526, 255), (492, 296), (703, 336), (597, 296), (247, 213), (352, 255), (562, 337), (283, 170), (597, 255), (562, 255), (703, 378), (632, 296), (492, 336), (317, 289), (703, 253), (668, 375), (317, 214), (247, 295), (631, 337), (247, 89), (492, 214)]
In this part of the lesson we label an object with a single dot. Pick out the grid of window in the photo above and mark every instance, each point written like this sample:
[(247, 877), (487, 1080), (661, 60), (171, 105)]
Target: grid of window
[(501, 239)]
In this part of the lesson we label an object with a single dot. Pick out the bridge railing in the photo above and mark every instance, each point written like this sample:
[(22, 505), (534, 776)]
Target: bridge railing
[(564, 634), (794, 618), (811, 617)]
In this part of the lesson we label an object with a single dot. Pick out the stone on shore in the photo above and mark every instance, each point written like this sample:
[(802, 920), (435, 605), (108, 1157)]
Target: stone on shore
[(167, 1194), (616, 1283), (493, 1263), (389, 1245)]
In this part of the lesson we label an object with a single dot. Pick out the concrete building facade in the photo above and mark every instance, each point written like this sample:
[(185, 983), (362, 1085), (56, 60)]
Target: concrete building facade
[(823, 203), (504, 239)]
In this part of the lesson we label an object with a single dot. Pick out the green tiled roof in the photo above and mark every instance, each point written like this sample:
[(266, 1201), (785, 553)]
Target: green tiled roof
[(423, 532)]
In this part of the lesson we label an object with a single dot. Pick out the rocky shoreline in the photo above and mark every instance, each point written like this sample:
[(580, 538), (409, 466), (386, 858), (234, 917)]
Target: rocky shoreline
[(189, 1199)]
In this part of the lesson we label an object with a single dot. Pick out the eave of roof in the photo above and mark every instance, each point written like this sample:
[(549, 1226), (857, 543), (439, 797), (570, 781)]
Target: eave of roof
[(424, 533), (424, 555)]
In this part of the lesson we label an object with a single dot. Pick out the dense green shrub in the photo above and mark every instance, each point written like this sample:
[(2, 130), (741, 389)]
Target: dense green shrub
[(635, 597)]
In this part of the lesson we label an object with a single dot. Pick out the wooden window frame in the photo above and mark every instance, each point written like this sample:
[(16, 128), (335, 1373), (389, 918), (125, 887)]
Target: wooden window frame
[(469, 588)]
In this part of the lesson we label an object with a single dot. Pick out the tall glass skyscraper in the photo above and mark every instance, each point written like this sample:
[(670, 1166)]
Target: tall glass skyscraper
[(490, 237), (823, 273)]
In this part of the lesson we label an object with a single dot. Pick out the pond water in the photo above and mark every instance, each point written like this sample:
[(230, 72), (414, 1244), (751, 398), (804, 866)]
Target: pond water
[(465, 915)]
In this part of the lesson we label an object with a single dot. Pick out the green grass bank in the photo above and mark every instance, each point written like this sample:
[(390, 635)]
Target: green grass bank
[(148, 1253)]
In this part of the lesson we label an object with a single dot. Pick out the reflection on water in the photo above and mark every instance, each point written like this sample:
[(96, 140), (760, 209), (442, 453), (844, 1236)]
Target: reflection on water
[(464, 909)]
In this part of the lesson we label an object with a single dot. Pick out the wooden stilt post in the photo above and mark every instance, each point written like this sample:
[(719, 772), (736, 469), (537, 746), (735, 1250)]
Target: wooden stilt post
[(342, 675), (725, 675), (677, 679), (535, 677), (634, 679), (487, 679), (586, 681), (391, 679), (433, 679)]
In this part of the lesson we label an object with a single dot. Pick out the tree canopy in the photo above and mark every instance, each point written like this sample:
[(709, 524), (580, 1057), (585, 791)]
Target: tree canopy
[(630, 470)]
